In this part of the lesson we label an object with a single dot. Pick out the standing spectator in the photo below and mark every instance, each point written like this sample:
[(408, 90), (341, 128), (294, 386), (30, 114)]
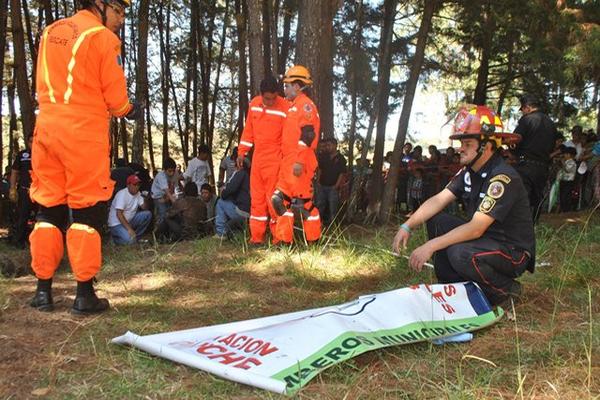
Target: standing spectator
[(198, 170), (227, 168), (415, 190), (332, 167), (20, 181), (233, 208), (128, 217), (538, 135), (566, 176), (417, 154), (163, 189), (70, 163), (185, 217)]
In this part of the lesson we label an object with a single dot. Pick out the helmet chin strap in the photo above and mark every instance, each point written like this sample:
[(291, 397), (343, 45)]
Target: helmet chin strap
[(479, 153)]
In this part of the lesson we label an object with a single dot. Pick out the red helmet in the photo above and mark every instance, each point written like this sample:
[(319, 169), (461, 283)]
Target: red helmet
[(481, 122)]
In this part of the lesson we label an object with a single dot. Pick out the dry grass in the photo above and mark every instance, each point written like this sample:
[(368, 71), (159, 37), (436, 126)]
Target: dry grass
[(155, 289)]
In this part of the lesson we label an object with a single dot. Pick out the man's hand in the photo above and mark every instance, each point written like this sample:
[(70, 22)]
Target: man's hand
[(401, 239), (12, 195), (136, 112), (239, 162), (298, 169), (132, 234), (420, 256)]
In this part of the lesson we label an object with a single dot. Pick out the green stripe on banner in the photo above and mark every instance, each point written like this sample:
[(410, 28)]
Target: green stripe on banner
[(352, 344)]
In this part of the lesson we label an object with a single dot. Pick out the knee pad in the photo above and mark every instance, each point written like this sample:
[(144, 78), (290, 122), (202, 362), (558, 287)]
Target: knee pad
[(278, 202), (94, 216), (57, 216)]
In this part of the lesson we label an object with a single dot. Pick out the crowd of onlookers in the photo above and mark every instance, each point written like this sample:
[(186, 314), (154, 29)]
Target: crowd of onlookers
[(177, 204)]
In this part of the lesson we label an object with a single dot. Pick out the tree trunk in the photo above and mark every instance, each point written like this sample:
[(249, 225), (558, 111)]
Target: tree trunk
[(47, 6), (508, 82), (141, 84), (32, 47), (411, 87), (597, 111), (218, 76), (256, 45), (25, 99), (274, 36), (266, 35), (314, 50), (356, 45), (381, 99), (488, 24), (3, 32), (289, 7), (240, 23), (13, 146), (165, 56)]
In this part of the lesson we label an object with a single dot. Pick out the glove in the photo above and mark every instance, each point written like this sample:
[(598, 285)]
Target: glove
[(137, 111), (12, 195)]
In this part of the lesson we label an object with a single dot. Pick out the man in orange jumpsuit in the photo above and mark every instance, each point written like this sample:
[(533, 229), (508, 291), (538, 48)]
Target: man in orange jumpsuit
[(80, 83), (294, 190), (262, 133)]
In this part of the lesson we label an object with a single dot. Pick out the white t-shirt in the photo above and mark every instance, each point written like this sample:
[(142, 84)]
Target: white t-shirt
[(198, 172), (127, 202), (228, 165)]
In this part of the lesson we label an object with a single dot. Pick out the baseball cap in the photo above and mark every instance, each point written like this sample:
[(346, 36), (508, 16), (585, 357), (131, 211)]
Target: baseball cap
[(133, 180)]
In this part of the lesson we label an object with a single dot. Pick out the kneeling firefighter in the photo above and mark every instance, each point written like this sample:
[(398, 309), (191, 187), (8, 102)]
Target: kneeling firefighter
[(80, 84), (294, 190)]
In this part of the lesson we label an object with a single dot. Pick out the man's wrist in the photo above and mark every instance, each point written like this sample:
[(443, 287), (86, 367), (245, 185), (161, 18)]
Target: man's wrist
[(406, 228)]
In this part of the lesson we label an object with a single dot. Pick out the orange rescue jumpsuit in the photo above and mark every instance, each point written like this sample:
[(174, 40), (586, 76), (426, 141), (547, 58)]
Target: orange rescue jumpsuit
[(80, 82), (301, 113), (262, 132)]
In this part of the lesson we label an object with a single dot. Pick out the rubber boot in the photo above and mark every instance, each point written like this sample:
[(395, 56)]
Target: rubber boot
[(42, 300), (86, 302)]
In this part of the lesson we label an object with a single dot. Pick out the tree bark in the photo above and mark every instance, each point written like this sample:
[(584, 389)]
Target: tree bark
[(411, 87), (3, 32), (314, 50), (381, 99), (25, 99), (256, 45), (165, 56), (488, 29), (217, 88), (32, 46), (13, 146), (289, 7), (240, 22), (141, 84)]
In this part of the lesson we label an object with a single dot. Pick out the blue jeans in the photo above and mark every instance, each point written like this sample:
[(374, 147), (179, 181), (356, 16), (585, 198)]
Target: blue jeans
[(139, 223), (328, 203), (160, 209), (226, 216)]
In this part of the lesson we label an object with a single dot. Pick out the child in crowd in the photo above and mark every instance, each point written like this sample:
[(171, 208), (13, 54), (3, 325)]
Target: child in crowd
[(415, 190), (566, 176)]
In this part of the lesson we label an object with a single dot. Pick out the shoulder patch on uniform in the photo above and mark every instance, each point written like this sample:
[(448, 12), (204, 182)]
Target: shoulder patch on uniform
[(502, 178), (495, 190), (487, 204), (307, 108)]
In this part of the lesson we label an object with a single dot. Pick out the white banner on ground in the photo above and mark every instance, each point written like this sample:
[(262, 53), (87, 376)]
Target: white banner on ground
[(283, 352)]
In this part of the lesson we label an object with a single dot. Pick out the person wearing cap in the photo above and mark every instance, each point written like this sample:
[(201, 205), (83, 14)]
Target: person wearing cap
[(80, 84), (293, 195), (497, 242), (128, 217), (538, 134)]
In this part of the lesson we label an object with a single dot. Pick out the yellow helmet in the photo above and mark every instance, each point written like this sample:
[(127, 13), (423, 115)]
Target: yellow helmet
[(298, 73)]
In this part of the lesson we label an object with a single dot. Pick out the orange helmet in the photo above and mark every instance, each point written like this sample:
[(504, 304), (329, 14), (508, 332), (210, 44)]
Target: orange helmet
[(297, 73), (482, 123)]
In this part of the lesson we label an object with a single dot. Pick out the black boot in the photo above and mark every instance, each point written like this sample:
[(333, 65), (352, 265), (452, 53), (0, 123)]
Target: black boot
[(42, 300), (86, 301)]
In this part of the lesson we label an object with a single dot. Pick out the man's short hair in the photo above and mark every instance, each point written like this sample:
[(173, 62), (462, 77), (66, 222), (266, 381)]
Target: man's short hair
[(169, 163), (577, 129), (270, 85), (206, 186), (203, 149), (569, 150), (190, 189), (120, 162), (529, 100)]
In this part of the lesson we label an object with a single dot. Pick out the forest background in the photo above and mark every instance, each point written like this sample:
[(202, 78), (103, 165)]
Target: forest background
[(195, 64)]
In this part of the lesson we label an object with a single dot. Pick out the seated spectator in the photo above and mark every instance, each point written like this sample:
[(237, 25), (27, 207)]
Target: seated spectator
[(233, 208), (208, 197), (567, 179), (128, 218), (184, 218), (163, 190)]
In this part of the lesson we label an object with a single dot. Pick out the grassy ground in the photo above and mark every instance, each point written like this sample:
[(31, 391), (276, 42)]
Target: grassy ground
[(549, 351)]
